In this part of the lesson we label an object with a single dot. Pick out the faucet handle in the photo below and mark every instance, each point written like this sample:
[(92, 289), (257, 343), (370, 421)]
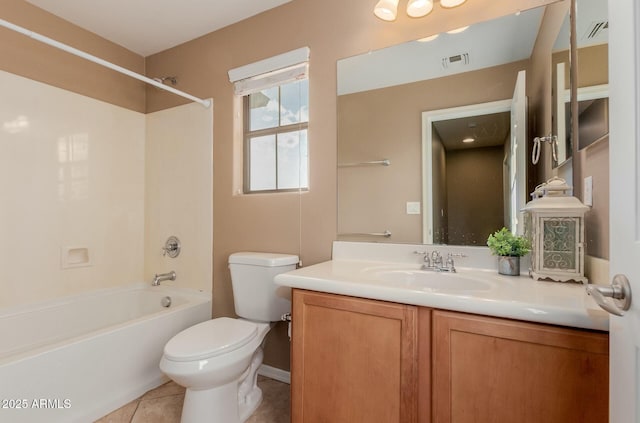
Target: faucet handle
[(425, 257), (171, 247), (450, 264)]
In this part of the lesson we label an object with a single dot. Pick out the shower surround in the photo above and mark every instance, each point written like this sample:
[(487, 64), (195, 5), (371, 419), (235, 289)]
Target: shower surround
[(90, 192)]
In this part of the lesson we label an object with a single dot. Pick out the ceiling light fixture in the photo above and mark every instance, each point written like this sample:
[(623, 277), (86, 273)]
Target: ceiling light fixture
[(458, 30), (419, 8), (451, 3), (429, 38), (387, 10), (468, 140)]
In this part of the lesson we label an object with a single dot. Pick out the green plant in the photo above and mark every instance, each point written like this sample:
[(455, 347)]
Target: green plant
[(504, 243)]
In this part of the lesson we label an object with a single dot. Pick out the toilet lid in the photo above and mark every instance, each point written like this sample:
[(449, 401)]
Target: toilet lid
[(209, 339)]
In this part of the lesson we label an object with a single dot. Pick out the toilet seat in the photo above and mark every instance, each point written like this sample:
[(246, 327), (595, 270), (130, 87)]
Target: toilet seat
[(209, 339)]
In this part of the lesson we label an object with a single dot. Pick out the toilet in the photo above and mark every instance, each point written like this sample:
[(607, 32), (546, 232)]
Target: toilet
[(218, 360)]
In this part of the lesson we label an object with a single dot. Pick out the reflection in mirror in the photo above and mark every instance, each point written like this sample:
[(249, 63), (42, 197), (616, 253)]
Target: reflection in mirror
[(592, 88), (592, 151), (590, 165), (382, 96), (560, 86), (466, 156)]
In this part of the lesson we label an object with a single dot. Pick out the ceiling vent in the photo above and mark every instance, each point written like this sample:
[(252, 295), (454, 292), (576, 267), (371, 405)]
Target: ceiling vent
[(596, 29), (455, 61)]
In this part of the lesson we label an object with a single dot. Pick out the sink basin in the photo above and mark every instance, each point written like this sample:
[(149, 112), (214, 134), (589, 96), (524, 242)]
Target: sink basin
[(433, 281)]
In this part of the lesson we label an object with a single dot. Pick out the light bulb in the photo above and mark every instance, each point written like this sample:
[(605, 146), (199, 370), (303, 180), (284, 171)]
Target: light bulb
[(427, 39), (451, 3), (387, 10), (419, 8), (458, 30)]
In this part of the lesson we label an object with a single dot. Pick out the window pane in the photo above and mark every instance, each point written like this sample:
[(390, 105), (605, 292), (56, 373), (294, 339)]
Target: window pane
[(263, 109), (263, 163), (295, 101), (293, 160)]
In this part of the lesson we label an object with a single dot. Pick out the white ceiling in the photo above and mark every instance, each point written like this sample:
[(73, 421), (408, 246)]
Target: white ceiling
[(150, 26)]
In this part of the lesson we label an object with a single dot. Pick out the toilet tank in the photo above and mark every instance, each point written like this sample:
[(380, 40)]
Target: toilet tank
[(255, 294)]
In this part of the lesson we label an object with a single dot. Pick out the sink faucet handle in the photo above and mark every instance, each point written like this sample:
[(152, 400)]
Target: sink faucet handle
[(450, 264), (425, 257)]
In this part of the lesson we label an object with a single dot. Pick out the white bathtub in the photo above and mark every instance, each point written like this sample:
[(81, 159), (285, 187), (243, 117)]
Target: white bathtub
[(78, 358)]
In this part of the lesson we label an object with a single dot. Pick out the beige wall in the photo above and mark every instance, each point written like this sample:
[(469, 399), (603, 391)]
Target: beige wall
[(333, 29), (29, 58)]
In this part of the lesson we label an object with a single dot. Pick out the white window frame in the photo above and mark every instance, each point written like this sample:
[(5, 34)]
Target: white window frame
[(268, 73)]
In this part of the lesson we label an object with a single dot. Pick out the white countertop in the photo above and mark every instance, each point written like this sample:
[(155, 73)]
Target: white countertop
[(518, 297)]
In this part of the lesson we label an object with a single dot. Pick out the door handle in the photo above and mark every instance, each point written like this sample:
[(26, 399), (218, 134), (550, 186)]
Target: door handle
[(619, 291)]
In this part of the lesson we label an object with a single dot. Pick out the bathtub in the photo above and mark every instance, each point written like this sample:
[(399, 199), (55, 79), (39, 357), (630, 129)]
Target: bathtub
[(78, 358)]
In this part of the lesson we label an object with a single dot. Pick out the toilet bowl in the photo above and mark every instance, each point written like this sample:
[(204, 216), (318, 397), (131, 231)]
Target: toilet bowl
[(218, 360)]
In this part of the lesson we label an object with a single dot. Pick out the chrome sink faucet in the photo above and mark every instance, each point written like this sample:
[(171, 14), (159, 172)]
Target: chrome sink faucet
[(435, 262), (169, 276)]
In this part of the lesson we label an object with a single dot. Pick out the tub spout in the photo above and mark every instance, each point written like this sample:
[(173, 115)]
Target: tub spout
[(170, 276)]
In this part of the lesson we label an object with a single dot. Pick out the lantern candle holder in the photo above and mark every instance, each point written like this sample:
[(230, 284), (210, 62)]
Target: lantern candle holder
[(554, 223)]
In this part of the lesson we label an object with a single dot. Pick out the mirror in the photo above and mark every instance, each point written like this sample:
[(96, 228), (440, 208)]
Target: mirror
[(385, 172), (591, 161), (560, 88), (592, 85)]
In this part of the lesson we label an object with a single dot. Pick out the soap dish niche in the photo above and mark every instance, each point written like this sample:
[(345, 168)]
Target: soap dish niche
[(71, 257)]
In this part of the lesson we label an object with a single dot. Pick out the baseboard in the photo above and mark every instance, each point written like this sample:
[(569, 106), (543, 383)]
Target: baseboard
[(275, 373)]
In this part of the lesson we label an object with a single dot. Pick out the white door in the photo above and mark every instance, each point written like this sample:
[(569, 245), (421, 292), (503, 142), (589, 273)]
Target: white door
[(518, 157), (624, 69)]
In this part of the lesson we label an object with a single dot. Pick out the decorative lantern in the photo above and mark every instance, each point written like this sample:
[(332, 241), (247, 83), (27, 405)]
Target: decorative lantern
[(554, 222)]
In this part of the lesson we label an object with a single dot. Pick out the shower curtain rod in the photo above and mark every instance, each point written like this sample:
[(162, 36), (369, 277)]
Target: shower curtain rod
[(99, 61)]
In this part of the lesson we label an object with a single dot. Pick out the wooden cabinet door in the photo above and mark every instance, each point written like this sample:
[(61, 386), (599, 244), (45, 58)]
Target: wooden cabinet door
[(353, 360), (493, 370)]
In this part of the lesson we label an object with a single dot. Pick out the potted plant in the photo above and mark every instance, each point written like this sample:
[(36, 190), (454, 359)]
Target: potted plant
[(509, 248)]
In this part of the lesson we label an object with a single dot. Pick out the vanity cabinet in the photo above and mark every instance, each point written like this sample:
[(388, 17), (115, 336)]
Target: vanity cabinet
[(353, 360), (358, 360), (497, 370)]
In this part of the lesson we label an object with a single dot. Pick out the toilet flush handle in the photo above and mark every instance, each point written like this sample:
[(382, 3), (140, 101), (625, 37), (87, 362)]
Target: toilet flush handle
[(287, 318)]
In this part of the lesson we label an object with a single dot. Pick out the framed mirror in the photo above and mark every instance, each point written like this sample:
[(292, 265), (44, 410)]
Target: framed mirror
[(385, 169)]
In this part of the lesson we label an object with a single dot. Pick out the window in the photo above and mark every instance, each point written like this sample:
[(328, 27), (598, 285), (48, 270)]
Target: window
[(275, 138), (275, 94)]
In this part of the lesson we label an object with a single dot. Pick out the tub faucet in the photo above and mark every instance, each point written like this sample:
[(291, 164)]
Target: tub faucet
[(170, 276)]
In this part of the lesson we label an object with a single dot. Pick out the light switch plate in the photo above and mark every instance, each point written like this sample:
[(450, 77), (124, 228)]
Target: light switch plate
[(413, 207), (587, 194)]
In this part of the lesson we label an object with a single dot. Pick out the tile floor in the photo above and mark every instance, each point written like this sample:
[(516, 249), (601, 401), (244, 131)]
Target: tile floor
[(164, 405)]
